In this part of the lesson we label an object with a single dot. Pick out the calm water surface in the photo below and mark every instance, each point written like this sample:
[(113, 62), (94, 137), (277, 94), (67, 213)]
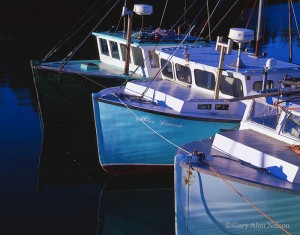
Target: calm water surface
[(51, 182)]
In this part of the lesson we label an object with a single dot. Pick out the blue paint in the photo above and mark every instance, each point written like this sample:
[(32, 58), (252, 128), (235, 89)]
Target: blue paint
[(149, 139)]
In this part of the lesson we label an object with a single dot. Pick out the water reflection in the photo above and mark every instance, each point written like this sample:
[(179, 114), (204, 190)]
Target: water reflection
[(133, 204), (69, 156)]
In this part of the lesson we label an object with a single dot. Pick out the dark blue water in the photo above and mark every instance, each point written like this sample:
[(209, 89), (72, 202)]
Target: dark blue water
[(51, 182)]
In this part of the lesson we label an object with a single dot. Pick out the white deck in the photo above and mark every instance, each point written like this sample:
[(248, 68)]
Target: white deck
[(233, 169), (171, 98), (262, 151)]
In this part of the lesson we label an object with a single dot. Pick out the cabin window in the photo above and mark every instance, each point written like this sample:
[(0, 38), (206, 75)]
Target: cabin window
[(292, 126), (114, 50), (183, 73), (231, 86), (257, 86), (205, 79), (222, 107), (104, 46), (167, 69), (265, 115), (123, 52), (138, 56), (204, 106), (153, 58)]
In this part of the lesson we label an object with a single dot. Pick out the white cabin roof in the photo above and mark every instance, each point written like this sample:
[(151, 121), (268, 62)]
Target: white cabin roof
[(208, 56)]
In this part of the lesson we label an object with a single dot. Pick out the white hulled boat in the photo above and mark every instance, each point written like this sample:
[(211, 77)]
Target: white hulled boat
[(244, 181), (140, 125)]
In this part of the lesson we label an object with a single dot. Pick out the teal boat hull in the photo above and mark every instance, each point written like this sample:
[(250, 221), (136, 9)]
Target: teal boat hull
[(135, 140)]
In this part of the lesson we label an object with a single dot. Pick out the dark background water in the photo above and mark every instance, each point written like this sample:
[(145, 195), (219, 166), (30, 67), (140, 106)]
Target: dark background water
[(51, 182)]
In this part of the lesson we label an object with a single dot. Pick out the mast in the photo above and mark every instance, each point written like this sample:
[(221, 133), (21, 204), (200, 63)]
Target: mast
[(260, 22), (124, 26), (128, 43), (290, 31)]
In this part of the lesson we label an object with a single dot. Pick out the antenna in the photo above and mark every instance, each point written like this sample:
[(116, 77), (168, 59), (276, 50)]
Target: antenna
[(142, 9), (240, 36)]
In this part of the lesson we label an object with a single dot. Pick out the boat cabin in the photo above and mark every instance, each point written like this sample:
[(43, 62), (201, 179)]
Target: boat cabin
[(143, 60), (198, 67), (112, 46)]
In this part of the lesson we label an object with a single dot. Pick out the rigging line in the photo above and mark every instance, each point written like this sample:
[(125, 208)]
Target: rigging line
[(201, 24), (163, 13), (198, 14), (34, 72), (249, 202), (65, 60), (213, 11), (209, 34), (184, 10), (240, 17), (157, 46), (225, 15), (118, 25), (169, 58), (295, 18), (250, 16), (91, 80), (65, 38)]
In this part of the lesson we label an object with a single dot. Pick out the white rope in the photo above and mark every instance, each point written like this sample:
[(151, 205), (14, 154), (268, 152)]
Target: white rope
[(224, 16), (163, 13), (210, 16), (295, 18)]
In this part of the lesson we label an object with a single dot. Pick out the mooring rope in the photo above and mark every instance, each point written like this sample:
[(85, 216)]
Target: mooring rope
[(249, 202)]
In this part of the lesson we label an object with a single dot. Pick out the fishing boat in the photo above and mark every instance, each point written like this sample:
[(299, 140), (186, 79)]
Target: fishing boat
[(141, 124), (64, 87), (243, 181)]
